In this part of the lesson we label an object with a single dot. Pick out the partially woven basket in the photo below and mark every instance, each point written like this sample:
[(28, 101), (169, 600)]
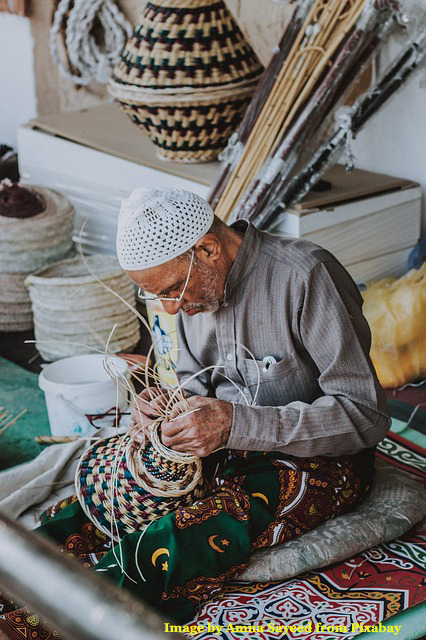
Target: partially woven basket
[(123, 486), (186, 76)]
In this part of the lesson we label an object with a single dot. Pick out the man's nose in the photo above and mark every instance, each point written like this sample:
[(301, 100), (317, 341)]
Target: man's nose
[(172, 306)]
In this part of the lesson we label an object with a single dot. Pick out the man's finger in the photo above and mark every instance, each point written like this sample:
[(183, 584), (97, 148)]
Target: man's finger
[(177, 443), (161, 399), (178, 408), (171, 429)]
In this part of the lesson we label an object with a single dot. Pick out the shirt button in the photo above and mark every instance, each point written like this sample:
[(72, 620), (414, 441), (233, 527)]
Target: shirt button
[(229, 356), (225, 304)]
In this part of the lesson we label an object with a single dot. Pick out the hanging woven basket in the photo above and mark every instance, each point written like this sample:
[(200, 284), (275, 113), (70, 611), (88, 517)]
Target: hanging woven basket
[(186, 77), (123, 486), (36, 227), (74, 314)]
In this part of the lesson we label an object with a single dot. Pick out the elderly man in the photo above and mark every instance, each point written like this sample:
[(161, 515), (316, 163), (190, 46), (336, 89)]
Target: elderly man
[(287, 389), (287, 394), (280, 320)]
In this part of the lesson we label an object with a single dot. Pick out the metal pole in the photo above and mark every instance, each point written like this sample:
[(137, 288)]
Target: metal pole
[(80, 603)]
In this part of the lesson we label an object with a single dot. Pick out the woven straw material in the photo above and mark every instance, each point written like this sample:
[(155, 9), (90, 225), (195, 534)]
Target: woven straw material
[(29, 244), (75, 312), (15, 304), (186, 76), (186, 44), (123, 486), (189, 132)]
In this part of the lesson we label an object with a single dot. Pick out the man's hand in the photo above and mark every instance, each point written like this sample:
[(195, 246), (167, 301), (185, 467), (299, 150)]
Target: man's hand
[(200, 432), (146, 409)]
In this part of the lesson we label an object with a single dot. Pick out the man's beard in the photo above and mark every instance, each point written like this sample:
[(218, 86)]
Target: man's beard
[(210, 280)]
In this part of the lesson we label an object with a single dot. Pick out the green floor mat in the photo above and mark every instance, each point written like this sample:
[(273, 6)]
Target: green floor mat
[(19, 390), (401, 428)]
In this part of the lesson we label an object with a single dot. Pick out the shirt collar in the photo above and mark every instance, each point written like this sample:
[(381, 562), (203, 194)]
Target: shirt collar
[(246, 257)]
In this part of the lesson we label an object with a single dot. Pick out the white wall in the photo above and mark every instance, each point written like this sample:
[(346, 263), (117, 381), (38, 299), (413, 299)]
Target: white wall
[(394, 140), (17, 82)]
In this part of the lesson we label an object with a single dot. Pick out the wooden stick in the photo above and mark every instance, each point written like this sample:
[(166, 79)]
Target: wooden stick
[(55, 439), (12, 422), (261, 94), (263, 195), (294, 83)]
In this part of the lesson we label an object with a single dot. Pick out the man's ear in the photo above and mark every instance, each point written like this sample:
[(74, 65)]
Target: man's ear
[(208, 248)]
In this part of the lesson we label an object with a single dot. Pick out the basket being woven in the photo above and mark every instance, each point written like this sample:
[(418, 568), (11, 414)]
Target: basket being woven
[(123, 486), (186, 76)]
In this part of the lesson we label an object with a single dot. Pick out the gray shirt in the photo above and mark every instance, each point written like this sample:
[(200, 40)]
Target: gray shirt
[(291, 302)]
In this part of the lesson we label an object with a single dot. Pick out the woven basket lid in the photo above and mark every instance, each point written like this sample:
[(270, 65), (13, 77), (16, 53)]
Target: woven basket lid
[(186, 43), (138, 481)]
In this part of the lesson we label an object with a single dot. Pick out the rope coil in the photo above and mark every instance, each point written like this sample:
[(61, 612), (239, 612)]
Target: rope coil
[(90, 56)]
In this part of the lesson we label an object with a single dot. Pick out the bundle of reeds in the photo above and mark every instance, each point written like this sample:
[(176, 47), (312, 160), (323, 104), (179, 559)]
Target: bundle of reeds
[(331, 44), (350, 122)]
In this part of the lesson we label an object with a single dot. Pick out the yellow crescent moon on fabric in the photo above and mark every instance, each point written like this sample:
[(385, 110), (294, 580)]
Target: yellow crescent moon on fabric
[(261, 496), (159, 552), (213, 545)]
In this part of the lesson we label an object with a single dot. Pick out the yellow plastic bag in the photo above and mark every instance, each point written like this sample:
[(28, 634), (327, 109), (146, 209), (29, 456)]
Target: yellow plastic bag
[(396, 312)]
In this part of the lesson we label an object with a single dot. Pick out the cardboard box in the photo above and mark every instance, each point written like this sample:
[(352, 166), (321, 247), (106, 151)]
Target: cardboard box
[(369, 221)]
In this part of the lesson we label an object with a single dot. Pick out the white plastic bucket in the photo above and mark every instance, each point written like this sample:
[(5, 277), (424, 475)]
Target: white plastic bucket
[(79, 391)]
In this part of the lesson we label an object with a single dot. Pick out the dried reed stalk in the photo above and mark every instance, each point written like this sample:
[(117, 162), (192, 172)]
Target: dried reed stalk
[(403, 66), (298, 144), (324, 29), (8, 420)]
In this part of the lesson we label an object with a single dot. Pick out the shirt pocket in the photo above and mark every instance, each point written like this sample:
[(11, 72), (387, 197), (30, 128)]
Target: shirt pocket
[(259, 371), (278, 385)]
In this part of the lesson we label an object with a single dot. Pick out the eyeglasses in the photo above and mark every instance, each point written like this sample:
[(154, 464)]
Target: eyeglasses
[(141, 295)]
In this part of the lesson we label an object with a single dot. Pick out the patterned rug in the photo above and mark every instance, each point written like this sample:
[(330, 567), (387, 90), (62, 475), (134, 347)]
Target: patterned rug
[(338, 602), (364, 594)]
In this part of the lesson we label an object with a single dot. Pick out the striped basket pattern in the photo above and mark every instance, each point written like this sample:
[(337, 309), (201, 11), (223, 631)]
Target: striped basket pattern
[(123, 486), (186, 76)]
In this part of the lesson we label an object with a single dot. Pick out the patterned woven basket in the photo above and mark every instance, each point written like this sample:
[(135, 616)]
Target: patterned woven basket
[(142, 482), (186, 76)]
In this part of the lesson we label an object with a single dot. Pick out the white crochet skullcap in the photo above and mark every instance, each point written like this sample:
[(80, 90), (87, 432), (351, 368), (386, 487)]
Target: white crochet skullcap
[(157, 225)]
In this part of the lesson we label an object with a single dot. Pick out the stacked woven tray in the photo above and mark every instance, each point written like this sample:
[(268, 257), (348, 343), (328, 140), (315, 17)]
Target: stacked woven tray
[(141, 482), (186, 76), (35, 229), (74, 313)]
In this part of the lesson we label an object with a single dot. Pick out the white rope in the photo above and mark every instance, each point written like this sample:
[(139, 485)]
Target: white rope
[(88, 59), (343, 118)]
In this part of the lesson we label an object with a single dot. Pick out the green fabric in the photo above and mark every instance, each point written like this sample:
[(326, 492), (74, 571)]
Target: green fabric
[(401, 428), (405, 412), (185, 557), (19, 390), (412, 622)]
